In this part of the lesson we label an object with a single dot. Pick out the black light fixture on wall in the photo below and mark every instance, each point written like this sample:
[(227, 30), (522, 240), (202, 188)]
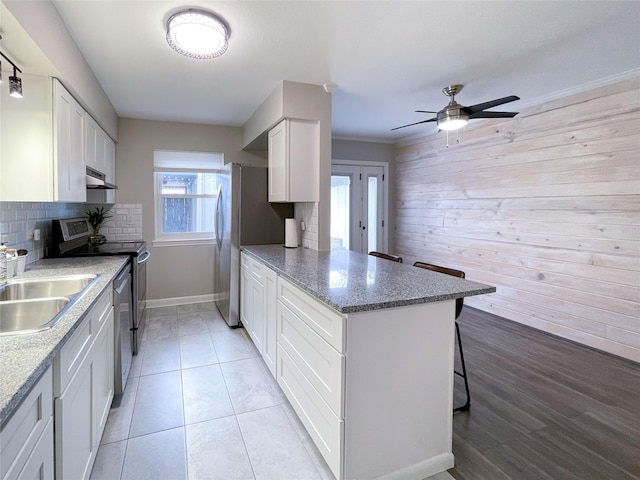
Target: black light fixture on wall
[(15, 82)]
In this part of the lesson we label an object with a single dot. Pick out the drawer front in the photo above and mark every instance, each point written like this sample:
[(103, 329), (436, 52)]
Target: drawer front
[(21, 433), (245, 261), (254, 267), (66, 363), (327, 323), (320, 363), (100, 311), (257, 270), (326, 430)]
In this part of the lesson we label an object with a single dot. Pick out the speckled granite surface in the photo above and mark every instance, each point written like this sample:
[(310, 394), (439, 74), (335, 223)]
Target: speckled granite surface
[(23, 358), (353, 282)]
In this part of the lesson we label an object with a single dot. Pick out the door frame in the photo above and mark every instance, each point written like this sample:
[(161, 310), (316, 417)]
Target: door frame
[(385, 192)]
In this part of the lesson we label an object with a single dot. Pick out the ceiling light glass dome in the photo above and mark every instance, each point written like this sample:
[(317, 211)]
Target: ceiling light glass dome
[(197, 34)]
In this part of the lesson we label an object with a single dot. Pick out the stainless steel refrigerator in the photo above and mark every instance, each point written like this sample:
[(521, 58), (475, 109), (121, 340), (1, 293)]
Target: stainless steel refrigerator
[(243, 216)]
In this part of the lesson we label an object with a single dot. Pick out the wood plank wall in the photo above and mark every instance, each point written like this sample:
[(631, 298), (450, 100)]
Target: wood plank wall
[(545, 206)]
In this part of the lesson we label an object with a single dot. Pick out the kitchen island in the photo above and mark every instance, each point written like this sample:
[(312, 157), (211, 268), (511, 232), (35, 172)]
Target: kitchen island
[(363, 349)]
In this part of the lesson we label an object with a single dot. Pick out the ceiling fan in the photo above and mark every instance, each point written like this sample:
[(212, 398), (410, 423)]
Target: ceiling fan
[(455, 116)]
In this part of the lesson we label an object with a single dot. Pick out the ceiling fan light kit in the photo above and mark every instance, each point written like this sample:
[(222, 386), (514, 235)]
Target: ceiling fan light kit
[(455, 116), (197, 34)]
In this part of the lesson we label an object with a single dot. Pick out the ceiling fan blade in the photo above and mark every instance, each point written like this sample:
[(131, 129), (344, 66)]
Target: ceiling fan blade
[(417, 123), (493, 103), (493, 115), (424, 111)]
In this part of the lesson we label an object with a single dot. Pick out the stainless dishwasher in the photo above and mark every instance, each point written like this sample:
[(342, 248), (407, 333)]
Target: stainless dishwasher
[(123, 309)]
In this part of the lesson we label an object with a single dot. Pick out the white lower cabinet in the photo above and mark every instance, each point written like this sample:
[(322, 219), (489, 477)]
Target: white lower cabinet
[(269, 354), (83, 389), (257, 307), (26, 439)]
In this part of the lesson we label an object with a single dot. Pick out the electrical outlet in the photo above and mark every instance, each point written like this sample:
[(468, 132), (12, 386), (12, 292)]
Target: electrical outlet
[(129, 220)]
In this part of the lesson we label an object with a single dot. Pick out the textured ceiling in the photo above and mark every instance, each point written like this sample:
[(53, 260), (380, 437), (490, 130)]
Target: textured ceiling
[(388, 58)]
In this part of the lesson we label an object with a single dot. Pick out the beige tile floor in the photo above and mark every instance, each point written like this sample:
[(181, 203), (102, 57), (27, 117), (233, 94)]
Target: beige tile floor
[(200, 404)]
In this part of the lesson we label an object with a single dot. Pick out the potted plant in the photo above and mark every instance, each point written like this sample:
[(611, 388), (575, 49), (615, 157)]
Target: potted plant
[(96, 217)]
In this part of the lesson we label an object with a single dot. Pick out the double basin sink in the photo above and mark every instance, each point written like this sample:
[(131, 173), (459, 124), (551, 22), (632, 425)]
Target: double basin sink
[(34, 304)]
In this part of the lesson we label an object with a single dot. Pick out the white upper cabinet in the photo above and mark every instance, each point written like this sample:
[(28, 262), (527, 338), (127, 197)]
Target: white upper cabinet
[(100, 154), (294, 161), (42, 144), (68, 138)]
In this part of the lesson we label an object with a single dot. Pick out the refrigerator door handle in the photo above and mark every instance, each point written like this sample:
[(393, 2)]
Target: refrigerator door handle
[(218, 229)]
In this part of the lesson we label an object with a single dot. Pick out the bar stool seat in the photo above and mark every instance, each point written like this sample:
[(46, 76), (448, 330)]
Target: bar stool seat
[(387, 256), (459, 305)]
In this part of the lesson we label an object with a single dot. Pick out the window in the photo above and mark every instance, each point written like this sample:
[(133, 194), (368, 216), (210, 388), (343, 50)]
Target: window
[(186, 185)]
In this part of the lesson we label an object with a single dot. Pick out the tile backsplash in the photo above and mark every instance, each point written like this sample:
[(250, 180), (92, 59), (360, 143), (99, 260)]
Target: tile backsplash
[(18, 220)]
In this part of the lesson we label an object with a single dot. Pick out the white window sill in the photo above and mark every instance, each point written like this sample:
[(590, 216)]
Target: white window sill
[(183, 242)]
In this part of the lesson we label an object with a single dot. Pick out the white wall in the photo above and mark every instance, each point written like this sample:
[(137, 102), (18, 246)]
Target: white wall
[(173, 272), (545, 206), (43, 24)]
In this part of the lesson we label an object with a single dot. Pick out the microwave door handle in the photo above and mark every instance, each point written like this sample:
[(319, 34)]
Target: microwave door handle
[(218, 230)]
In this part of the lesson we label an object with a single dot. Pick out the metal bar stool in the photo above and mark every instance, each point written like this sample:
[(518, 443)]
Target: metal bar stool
[(393, 258), (459, 304)]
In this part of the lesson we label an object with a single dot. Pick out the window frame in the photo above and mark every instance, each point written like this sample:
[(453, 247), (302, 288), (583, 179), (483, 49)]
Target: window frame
[(181, 161)]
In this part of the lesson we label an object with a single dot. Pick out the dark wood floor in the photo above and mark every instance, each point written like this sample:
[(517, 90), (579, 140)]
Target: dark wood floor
[(543, 407)]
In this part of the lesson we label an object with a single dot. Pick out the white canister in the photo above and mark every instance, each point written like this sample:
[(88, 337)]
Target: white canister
[(290, 233)]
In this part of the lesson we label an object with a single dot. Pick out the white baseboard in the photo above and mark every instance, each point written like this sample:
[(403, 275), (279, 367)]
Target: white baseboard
[(437, 465), (170, 302)]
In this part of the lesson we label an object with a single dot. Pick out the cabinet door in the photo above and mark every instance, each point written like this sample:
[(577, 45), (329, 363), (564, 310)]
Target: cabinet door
[(294, 161), (258, 311), (75, 449), (110, 167), (91, 143), (103, 371), (279, 163), (26, 439), (69, 167), (246, 303), (40, 463), (270, 333)]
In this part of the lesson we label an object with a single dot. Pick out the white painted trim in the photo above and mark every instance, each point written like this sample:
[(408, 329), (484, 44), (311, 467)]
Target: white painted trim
[(430, 467), (388, 141), (567, 92), (385, 185), (170, 302)]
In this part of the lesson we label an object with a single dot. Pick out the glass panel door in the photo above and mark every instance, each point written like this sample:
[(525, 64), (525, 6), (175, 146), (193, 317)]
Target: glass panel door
[(373, 203), (345, 207), (357, 207)]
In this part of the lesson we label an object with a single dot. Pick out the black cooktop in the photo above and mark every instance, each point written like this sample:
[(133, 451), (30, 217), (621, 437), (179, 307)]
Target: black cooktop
[(108, 248)]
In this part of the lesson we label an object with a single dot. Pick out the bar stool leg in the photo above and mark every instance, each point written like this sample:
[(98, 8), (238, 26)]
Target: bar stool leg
[(463, 374)]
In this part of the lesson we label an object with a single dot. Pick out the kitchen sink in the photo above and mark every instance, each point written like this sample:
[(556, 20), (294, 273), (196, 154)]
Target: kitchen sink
[(30, 288), (29, 305), (27, 316)]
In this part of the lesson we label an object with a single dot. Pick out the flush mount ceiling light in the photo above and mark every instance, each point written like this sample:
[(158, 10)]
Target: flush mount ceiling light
[(197, 34)]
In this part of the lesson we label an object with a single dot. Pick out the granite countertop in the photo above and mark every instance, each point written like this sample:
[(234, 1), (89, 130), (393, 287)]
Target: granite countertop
[(354, 282), (24, 358)]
